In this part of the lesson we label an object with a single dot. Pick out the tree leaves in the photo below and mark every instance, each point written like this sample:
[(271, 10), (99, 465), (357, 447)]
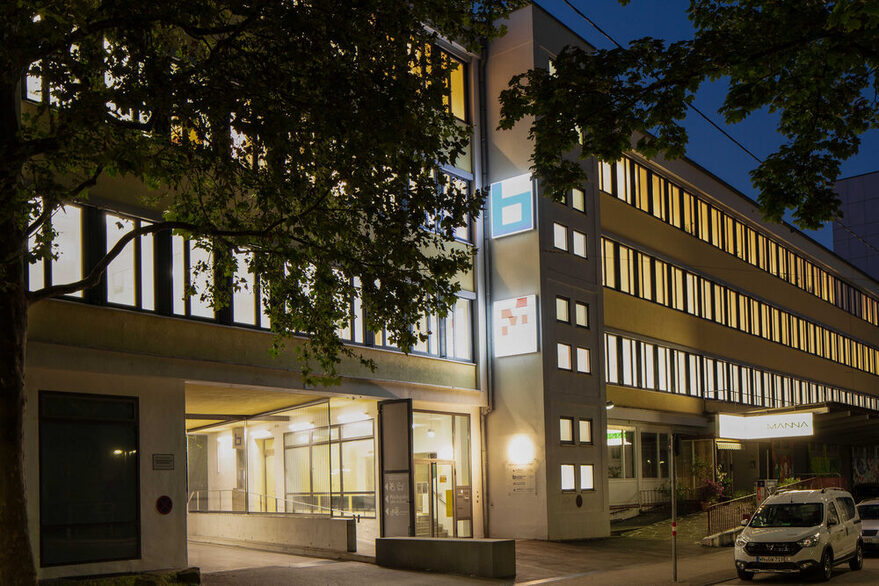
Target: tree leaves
[(811, 61)]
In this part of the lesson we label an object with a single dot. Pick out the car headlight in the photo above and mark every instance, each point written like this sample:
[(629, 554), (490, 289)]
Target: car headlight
[(742, 541), (810, 541)]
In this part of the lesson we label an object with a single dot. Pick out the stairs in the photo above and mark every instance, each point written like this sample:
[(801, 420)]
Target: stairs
[(423, 526)]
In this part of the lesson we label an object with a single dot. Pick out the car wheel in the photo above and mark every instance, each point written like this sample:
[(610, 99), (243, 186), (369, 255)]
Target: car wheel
[(744, 574), (857, 562), (825, 570)]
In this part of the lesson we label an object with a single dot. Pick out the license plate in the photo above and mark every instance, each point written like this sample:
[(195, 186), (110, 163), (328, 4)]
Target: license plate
[(770, 559)]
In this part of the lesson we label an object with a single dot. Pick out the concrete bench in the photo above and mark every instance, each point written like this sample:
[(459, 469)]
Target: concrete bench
[(488, 558)]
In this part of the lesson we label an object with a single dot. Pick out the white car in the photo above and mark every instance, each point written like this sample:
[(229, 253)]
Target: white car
[(868, 511), (801, 531)]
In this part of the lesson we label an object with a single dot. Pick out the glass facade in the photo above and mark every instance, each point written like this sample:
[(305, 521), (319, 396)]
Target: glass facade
[(642, 275), (643, 188)]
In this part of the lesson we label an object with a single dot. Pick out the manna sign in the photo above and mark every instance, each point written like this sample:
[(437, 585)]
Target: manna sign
[(764, 426)]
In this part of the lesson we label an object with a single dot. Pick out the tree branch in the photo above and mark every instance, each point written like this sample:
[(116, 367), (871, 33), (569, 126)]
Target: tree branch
[(94, 276)]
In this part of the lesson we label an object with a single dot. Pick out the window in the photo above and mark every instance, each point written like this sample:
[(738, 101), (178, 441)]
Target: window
[(89, 490), (248, 299), (584, 360), (130, 276), (581, 314), (568, 477), (649, 455), (584, 435), (68, 267), (191, 266), (578, 200), (560, 236), (564, 356), (562, 309), (587, 477), (459, 331), (566, 430), (579, 243), (620, 453)]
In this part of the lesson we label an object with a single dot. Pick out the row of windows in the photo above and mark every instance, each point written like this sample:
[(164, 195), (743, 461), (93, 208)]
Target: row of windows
[(560, 240), (636, 273), (134, 280), (567, 358), (643, 365), (640, 187), (587, 477), (583, 428)]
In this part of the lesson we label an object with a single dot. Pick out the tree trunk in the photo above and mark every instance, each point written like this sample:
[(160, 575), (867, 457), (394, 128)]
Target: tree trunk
[(16, 559)]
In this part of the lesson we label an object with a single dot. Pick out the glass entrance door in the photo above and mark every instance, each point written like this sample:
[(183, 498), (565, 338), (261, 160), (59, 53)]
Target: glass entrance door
[(435, 498)]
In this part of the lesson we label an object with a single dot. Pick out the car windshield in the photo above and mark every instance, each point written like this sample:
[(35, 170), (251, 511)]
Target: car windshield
[(869, 511), (789, 515)]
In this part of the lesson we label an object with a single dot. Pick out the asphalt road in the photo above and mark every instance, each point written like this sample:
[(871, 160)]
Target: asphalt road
[(841, 575)]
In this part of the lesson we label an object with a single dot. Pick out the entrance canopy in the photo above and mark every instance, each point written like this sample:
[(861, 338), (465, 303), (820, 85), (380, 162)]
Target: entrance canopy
[(208, 404)]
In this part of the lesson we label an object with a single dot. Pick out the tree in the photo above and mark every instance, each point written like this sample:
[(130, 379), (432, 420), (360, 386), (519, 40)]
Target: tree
[(304, 134), (813, 62)]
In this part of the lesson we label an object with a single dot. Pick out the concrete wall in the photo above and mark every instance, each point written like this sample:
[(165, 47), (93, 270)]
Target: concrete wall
[(277, 531), (161, 409)]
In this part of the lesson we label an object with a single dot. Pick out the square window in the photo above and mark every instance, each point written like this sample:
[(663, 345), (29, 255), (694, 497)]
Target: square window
[(566, 430), (587, 477), (585, 431), (578, 200), (584, 360), (568, 477), (579, 247), (581, 314), (562, 309), (560, 236), (564, 356)]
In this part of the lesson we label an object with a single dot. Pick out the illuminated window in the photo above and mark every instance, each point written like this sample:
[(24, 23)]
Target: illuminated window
[(584, 360), (562, 309), (567, 479), (566, 430), (579, 243), (563, 352), (560, 236), (67, 268), (578, 200), (584, 431), (130, 276), (581, 314), (587, 477)]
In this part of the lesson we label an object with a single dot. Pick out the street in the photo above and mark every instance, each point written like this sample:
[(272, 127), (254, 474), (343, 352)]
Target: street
[(841, 575)]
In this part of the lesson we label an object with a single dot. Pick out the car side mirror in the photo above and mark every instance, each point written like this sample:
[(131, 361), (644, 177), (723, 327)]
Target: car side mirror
[(745, 522)]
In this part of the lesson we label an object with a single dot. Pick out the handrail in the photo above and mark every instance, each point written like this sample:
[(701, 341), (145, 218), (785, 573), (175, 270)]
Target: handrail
[(248, 494)]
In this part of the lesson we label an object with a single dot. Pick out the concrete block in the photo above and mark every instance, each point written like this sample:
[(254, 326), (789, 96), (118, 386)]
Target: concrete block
[(488, 558)]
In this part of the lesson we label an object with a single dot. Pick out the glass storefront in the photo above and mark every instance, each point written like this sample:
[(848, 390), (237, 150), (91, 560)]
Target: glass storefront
[(316, 459)]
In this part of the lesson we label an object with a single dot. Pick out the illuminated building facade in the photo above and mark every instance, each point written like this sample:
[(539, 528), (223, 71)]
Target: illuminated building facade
[(656, 289)]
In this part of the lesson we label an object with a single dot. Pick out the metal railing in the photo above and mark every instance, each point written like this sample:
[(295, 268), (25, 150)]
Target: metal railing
[(729, 514), (239, 501)]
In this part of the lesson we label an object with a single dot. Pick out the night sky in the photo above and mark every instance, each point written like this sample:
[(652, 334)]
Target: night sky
[(667, 19)]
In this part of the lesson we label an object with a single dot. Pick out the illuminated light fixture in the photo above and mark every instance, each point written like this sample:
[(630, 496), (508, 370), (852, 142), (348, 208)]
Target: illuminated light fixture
[(261, 434), (728, 445), (352, 416), (431, 433), (301, 426), (609, 405), (520, 450), (117, 452)]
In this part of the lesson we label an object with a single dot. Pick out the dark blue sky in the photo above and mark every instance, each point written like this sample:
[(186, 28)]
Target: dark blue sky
[(667, 19)]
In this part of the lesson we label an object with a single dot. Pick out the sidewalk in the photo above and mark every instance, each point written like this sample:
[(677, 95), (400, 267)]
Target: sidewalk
[(641, 555)]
